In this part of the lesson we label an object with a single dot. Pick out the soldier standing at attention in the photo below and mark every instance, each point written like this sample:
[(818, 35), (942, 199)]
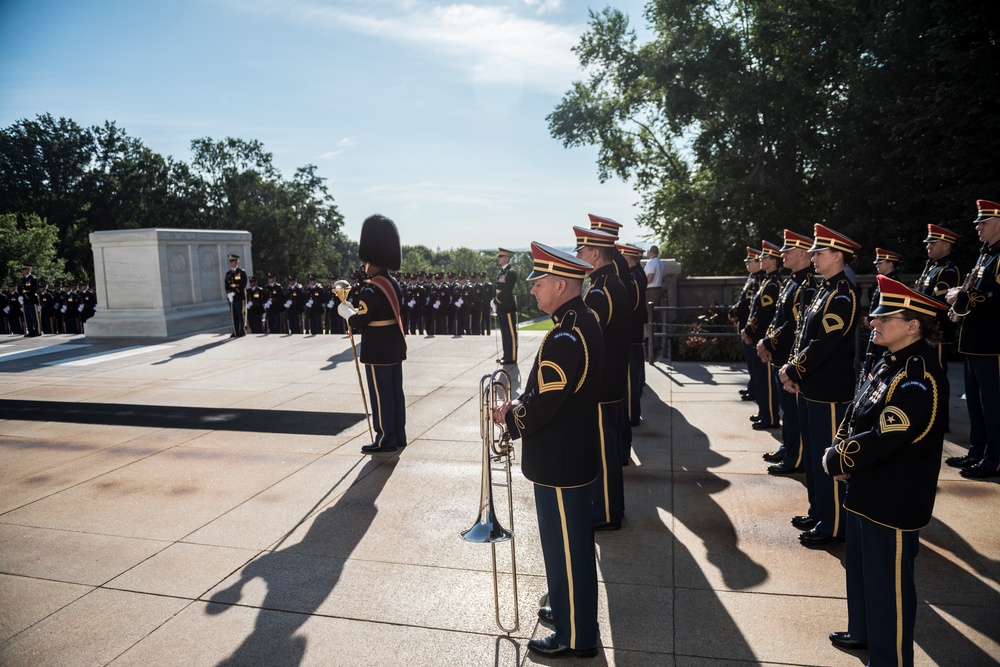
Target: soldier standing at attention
[(47, 302), (314, 305), (383, 340), (740, 311), (256, 296), (505, 307), (886, 264), (295, 301), (27, 297), (977, 303), (557, 419), (236, 286), (762, 306), (637, 358), (88, 299), (273, 303)]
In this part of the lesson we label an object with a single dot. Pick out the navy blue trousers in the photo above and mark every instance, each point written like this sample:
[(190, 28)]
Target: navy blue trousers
[(608, 490), (749, 354), (507, 323), (31, 319), (236, 310), (818, 422), (765, 391), (385, 389), (567, 536), (636, 377), (982, 396), (791, 435), (881, 594)]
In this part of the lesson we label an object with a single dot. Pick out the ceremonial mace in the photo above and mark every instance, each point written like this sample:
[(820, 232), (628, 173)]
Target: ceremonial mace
[(342, 288)]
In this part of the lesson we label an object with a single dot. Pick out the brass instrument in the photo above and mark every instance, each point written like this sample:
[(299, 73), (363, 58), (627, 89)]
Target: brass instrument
[(494, 390), (342, 288), (966, 284)]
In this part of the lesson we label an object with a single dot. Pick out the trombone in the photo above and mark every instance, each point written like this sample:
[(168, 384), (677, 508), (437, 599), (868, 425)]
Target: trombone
[(494, 390)]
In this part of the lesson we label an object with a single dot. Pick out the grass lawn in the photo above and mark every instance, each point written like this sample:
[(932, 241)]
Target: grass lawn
[(544, 325)]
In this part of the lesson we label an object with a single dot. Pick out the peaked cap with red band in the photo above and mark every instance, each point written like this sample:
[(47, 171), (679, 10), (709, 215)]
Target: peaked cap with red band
[(769, 249), (753, 255), (883, 255), (827, 238), (551, 261), (793, 240), (629, 250), (987, 209), (594, 238), (935, 233), (604, 224), (895, 297)]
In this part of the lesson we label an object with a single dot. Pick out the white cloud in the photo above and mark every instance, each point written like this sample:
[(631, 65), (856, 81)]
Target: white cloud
[(545, 6), (341, 148), (487, 44)]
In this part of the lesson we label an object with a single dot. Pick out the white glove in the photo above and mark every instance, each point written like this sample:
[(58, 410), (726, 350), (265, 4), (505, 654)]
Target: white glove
[(80, 308), (20, 300), (288, 304), (309, 303), (411, 303), (493, 307), (437, 304), (230, 297), (346, 311), (329, 304), (95, 307), (6, 309), (458, 304), (63, 309), (267, 304)]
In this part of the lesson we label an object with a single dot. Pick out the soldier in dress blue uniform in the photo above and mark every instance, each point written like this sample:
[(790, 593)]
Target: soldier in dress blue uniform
[(314, 305), (940, 274), (236, 286), (557, 419), (608, 299), (70, 309), (47, 302), (295, 303), (463, 306), (505, 306), (796, 293), (274, 304), (886, 264), (256, 296), (821, 370), (739, 312), (4, 313), (88, 303), (637, 358), (27, 292), (977, 304), (15, 320), (383, 340), (888, 451), (762, 305)]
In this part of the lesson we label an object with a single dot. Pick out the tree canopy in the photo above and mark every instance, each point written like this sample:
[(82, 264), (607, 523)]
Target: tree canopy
[(739, 118)]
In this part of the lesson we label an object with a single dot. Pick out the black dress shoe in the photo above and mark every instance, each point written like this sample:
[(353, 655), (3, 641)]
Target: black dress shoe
[(761, 426), (375, 449), (744, 392), (844, 640), (774, 457), (545, 614), (961, 461), (803, 522), (547, 646), (979, 471), (610, 525), (779, 469), (814, 538), (744, 397), (754, 418)]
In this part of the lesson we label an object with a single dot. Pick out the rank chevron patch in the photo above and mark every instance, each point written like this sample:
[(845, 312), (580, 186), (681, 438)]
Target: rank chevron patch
[(893, 419)]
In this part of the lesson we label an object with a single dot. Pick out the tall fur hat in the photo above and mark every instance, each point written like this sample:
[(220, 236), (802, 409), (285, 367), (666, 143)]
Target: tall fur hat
[(379, 244)]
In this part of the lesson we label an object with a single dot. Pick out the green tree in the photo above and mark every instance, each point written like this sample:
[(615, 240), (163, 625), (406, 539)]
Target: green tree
[(31, 241)]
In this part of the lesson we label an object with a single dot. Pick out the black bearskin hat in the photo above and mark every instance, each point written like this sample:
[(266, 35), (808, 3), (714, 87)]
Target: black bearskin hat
[(379, 244)]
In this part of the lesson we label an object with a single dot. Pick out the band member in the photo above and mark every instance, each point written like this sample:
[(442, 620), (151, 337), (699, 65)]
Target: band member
[(608, 299), (940, 274), (256, 297), (766, 387), (821, 370), (27, 297), (557, 419), (888, 450), (383, 340), (886, 264), (977, 303), (637, 359), (739, 312), (236, 286), (295, 303), (506, 306), (274, 304)]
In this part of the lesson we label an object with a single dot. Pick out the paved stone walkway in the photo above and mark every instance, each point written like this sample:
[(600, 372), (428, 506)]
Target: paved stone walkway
[(213, 540)]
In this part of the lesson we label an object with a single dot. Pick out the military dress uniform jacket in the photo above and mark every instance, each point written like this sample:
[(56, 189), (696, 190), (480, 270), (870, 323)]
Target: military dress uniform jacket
[(740, 310), (939, 276), (382, 340), (891, 439), (557, 416), (822, 360), (762, 306), (504, 289), (236, 284), (980, 306), (27, 289), (795, 296), (640, 315), (608, 298), (276, 295)]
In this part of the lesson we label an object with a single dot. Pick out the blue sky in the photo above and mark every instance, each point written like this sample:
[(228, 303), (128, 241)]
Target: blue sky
[(432, 113)]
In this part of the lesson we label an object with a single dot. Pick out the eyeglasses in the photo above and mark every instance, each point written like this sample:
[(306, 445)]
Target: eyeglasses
[(886, 318)]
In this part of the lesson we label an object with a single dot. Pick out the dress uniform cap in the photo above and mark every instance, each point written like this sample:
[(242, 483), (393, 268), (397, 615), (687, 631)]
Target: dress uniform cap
[(594, 238), (292, 276), (604, 224), (548, 260), (503, 252), (379, 243), (233, 258), (883, 255), (793, 240), (827, 238), (25, 267), (935, 233), (895, 297), (769, 249), (753, 255), (312, 276), (987, 209), (629, 250)]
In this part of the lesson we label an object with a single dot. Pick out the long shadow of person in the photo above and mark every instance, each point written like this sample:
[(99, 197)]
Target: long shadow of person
[(194, 351), (661, 610), (340, 357), (302, 575)]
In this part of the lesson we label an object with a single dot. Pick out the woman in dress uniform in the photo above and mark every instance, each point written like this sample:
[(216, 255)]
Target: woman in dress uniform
[(888, 450)]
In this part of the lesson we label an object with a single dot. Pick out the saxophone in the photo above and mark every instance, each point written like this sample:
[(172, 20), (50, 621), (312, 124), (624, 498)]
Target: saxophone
[(966, 284)]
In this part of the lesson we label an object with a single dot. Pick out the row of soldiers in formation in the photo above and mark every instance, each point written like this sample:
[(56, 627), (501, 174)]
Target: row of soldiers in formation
[(30, 308), (433, 304)]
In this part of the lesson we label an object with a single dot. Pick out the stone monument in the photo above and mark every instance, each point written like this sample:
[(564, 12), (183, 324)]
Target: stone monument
[(159, 283)]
